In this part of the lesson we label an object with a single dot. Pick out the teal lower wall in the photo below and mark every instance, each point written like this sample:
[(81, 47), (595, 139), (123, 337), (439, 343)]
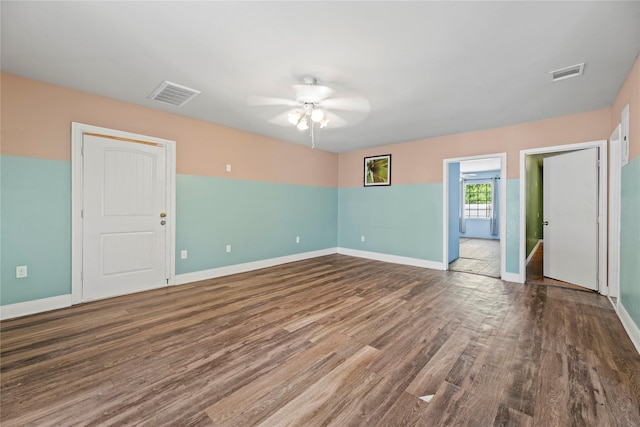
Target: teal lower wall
[(402, 220), (406, 220), (512, 238), (630, 239), (259, 220), (36, 228)]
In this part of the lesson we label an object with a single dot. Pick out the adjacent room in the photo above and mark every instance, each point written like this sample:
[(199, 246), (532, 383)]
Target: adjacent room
[(475, 244), (278, 213)]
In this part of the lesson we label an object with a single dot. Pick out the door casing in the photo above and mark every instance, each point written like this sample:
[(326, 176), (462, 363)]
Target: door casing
[(77, 179), (613, 288), (602, 204)]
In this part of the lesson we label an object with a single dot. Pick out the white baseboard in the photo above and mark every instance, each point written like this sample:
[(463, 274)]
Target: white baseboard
[(512, 277), (20, 309), (197, 276), (533, 251), (395, 259), (632, 329)]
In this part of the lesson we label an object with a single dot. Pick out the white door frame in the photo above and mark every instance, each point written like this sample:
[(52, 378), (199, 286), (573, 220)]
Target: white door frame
[(602, 204), (503, 206), (77, 179), (613, 285)]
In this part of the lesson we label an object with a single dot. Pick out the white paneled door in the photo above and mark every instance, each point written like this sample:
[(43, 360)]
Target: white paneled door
[(124, 216), (570, 185)]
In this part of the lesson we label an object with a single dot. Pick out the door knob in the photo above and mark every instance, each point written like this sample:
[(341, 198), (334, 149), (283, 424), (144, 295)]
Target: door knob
[(163, 222), (545, 223), (163, 215)]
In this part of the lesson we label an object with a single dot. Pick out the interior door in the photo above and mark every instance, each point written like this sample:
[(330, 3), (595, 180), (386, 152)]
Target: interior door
[(570, 185), (124, 217)]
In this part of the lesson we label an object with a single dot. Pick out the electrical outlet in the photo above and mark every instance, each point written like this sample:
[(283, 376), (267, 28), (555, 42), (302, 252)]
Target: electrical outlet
[(229, 167), (362, 238), (21, 271), (183, 254), (297, 239), (228, 248)]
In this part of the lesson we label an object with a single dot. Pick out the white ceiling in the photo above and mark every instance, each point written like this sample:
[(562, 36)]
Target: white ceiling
[(427, 68)]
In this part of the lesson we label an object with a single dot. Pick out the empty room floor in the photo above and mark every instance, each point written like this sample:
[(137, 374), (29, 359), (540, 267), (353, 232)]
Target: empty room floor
[(334, 340), (478, 256)]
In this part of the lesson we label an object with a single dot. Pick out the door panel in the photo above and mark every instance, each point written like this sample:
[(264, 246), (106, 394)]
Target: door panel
[(570, 184), (124, 238)]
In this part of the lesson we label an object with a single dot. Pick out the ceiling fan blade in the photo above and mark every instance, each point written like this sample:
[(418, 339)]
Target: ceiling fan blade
[(265, 101), (312, 93), (348, 103), (335, 121), (282, 119)]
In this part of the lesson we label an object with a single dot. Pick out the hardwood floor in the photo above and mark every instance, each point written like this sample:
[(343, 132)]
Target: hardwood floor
[(478, 256), (334, 340)]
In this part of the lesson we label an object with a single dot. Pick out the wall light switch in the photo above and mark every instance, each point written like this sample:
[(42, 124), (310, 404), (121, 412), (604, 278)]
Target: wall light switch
[(362, 238), (21, 272), (228, 167), (228, 248), (183, 254), (297, 239)]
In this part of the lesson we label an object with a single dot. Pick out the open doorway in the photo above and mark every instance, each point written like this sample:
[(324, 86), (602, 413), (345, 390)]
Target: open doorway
[(563, 204), (475, 215)]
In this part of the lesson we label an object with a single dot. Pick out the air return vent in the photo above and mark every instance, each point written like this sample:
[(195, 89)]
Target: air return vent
[(567, 73), (174, 94)]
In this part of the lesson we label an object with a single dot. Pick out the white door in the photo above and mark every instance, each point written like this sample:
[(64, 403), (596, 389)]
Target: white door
[(570, 185), (124, 214)]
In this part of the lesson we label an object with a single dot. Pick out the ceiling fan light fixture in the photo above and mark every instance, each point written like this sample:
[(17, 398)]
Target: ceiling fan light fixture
[(317, 115), (324, 122), (303, 125), (294, 117)]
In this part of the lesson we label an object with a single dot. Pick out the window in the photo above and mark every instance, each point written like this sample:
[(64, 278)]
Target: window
[(477, 201)]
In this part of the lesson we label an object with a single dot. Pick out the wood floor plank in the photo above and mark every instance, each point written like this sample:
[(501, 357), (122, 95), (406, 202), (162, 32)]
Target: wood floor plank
[(299, 410), (438, 367), (334, 340), (259, 399)]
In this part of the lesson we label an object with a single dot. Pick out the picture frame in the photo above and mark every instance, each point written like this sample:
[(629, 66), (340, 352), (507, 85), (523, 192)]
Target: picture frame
[(377, 171)]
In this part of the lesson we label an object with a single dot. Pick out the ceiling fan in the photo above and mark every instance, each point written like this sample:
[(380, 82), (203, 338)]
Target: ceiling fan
[(312, 107)]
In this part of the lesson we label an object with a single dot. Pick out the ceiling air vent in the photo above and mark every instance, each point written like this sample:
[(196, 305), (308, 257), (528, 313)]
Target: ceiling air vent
[(568, 72), (174, 94)]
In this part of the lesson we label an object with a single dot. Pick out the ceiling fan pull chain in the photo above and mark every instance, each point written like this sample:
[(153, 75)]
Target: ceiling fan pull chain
[(313, 140)]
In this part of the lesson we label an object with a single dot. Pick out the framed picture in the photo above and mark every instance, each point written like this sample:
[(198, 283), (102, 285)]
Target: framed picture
[(377, 170)]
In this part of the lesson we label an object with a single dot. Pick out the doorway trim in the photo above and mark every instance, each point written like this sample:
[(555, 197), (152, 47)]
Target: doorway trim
[(615, 166), (602, 204), (77, 178), (503, 206)]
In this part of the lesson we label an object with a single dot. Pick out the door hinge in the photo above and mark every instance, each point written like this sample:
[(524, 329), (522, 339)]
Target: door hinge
[(81, 213), (82, 275), (82, 149)]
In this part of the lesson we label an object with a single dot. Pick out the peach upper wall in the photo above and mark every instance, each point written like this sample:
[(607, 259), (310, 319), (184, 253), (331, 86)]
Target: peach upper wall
[(36, 122), (629, 93), (421, 161)]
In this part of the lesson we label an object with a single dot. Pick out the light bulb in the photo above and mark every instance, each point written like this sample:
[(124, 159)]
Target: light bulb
[(324, 122), (294, 117), (303, 124), (317, 115)]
